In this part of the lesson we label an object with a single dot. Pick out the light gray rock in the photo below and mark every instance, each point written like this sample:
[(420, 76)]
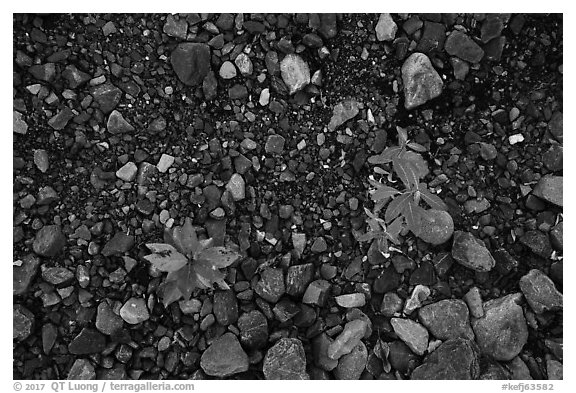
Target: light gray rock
[(295, 72), (352, 365), (134, 311), (347, 339), (540, 292), (343, 111), (412, 333), (437, 228), (237, 187), (82, 369), (471, 252), (447, 319), (550, 188), (386, 28), (421, 81), (117, 124), (286, 360), (351, 300)]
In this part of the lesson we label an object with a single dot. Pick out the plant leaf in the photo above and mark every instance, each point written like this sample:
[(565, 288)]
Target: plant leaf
[(416, 147), (394, 229), (185, 238), (203, 245), (386, 156), (219, 257), (402, 136), (413, 215), (419, 162), (370, 235), (187, 281), (432, 200), (407, 172), (382, 244), (396, 207), (382, 192), (165, 257), (207, 274), (169, 293)]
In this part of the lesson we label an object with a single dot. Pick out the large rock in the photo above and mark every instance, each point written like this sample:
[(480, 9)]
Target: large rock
[(352, 365), (421, 81), (348, 339), (49, 241), (271, 286), (447, 319), (412, 333), (540, 292), (343, 111), (106, 321), (298, 277), (320, 346), (253, 328), (295, 72), (460, 45), (23, 275), (437, 228), (502, 332), (107, 96), (225, 307), (471, 252), (191, 62), (454, 359), (285, 360), (88, 341), (117, 124), (20, 126), (23, 322), (550, 188), (224, 357), (386, 28), (118, 244)]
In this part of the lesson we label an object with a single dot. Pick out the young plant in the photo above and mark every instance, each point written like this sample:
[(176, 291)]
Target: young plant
[(189, 262), (380, 232)]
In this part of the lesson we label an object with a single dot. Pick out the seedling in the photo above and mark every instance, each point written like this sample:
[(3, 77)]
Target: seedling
[(190, 263)]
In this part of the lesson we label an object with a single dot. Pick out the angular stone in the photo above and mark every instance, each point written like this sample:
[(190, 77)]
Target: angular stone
[(20, 126), (460, 45), (540, 292), (298, 277), (88, 341), (320, 346), (134, 311), (49, 335), (471, 252), (23, 322), (556, 126), (57, 275), (274, 144), (491, 28), (348, 339), (433, 37), (271, 286), (46, 195), (191, 62), (550, 188), (244, 64), (74, 76), (119, 244), (128, 172), (421, 81), (537, 242), (342, 112), (225, 307), (351, 300), (412, 333), (225, 357), (23, 275), (82, 369), (386, 28), (106, 321), (455, 359), (49, 241), (419, 294), (41, 160), (391, 304), (328, 25), (117, 124), (447, 319), (286, 360), (295, 72), (44, 72), (237, 187), (437, 228), (253, 328), (557, 236), (176, 28), (352, 365), (502, 331), (107, 96), (317, 293), (61, 119), (554, 370)]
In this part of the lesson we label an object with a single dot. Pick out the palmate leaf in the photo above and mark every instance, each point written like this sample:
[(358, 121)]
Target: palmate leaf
[(413, 215), (208, 275), (370, 235), (218, 257), (396, 207), (407, 172), (386, 156), (431, 200), (185, 239), (165, 257), (393, 230), (382, 192), (418, 161), (169, 293)]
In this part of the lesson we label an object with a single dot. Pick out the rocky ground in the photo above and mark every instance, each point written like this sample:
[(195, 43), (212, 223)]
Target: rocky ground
[(261, 128)]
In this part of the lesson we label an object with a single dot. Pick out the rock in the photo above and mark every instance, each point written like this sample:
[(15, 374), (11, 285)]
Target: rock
[(225, 307), (286, 360), (165, 162), (23, 322), (109, 28), (348, 339), (107, 96), (227, 70), (553, 158), (49, 241), (119, 244), (271, 286), (352, 365), (57, 275), (317, 293), (237, 187), (61, 119), (117, 124), (351, 300), (433, 37), (391, 304), (106, 321), (555, 125), (210, 86), (540, 292), (550, 188), (19, 125), (298, 277), (274, 144), (134, 311), (44, 72), (82, 369), (454, 359), (176, 28), (437, 227), (342, 112), (518, 369), (419, 294), (554, 370), (74, 76), (244, 64), (191, 62), (320, 346), (502, 331), (412, 333), (128, 172), (328, 25), (88, 341), (225, 357), (41, 160), (319, 245), (474, 302), (46, 195), (386, 28), (557, 236), (238, 92), (253, 328), (537, 242), (23, 275), (471, 252), (421, 81), (491, 28), (295, 72), (447, 319), (460, 45), (264, 97)]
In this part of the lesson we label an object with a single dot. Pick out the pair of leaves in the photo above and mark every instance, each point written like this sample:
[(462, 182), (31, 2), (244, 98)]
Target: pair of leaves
[(380, 232)]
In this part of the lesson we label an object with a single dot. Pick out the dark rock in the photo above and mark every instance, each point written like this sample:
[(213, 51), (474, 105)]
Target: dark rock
[(401, 357), (540, 292), (23, 322), (49, 241), (491, 28), (553, 158), (317, 293), (550, 188), (493, 49), (57, 275), (106, 321), (225, 357), (225, 307), (492, 370), (271, 286), (74, 76), (44, 72), (119, 244), (421, 81), (320, 346), (253, 329), (454, 359), (555, 125), (286, 360), (191, 62), (107, 96), (471, 252), (177, 28), (537, 242), (557, 235), (274, 144), (117, 124), (49, 335), (351, 366), (86, 342), (505, 263), (61, 119), (285, 310), (237, 92), (82, 369), (328, 26), (388, 280), (460, 45), (298, 277), (432, 38), (23, 275), (423, 275), (447, 319)]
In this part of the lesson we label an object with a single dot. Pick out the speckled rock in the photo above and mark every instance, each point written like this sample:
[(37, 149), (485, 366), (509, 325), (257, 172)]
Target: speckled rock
[(540, 292), (471, 252), (412, 333), (191, 62), (225, 357), (386, 28), (286, 360), (23, 322), (447, 319), (49, 241), (342, 112), (82, 369), (550, 188), (253, 328), (351, 366), (437, 228), (23, 275), (455, 359), (271, 286), (421, 81), (295, 72)]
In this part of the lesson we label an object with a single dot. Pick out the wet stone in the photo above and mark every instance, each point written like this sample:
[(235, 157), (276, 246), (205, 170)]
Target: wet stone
[(447, 319), (540, 292), (298, 277), (286, 360), (421, 81), (225, 307), (271, 286), (471, 252), (461, 45), (455, 359), (412, 333), (49, 241), (23, 322), (82, 369), (225, 357), (253, 328), (88, 341)]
